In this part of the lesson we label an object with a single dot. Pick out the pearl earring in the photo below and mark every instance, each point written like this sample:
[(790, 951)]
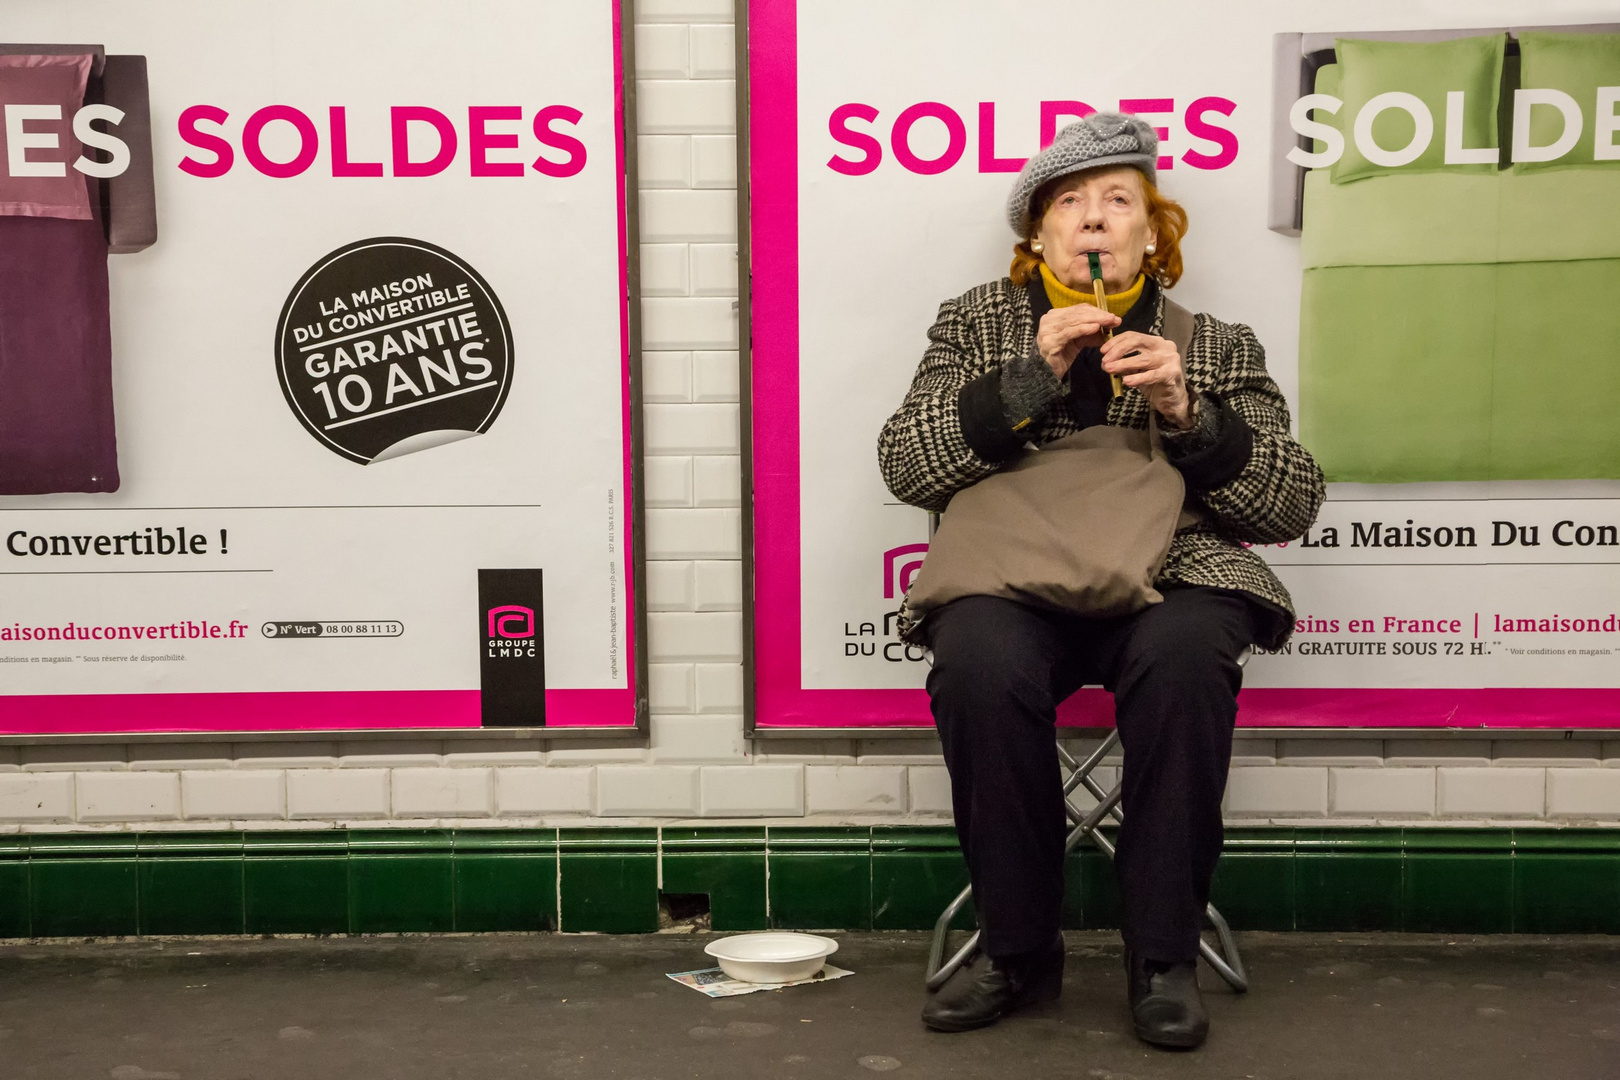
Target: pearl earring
[(1150, 249), (1036, 246)]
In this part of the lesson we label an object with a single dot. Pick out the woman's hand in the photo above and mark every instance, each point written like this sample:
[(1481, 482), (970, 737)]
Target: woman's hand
[(1065, 331), (1153, 366)]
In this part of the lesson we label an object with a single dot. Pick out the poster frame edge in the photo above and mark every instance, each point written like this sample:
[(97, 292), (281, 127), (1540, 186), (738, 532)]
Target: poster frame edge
[(752, 729), (630, 179), (640, 729), (745, 362), (1546, 734), (478, 734), (593, 734)]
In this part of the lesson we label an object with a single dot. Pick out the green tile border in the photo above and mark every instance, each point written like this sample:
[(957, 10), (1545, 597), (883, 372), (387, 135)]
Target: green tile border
[(916, 872), (83, 886), (295, 882), (505, 880), (820, 878), (15, 909), (726, 864), (608, 880), (1254, 885), (190, 883)]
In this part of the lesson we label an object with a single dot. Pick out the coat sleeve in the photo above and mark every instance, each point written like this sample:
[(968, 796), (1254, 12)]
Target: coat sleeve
[(1277, 492), (923, 450)]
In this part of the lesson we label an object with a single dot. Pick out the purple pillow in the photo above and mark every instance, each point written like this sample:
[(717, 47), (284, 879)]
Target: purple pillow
[(57, 81)]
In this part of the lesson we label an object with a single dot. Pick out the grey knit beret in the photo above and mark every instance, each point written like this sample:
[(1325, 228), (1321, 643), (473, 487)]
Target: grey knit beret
[(1100, 139)]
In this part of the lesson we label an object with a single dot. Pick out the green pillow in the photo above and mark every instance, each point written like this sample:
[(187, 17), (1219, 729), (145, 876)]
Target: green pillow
[(1576, 64), (1427, 71)]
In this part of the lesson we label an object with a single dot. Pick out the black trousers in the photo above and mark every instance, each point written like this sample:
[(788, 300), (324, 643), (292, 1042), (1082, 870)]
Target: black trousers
[(1001, 668)]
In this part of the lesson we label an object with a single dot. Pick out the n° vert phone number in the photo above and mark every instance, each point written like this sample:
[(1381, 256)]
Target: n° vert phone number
[(362, 629)]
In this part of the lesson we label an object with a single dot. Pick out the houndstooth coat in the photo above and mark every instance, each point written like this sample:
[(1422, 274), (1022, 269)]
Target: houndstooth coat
[(1252, 482)]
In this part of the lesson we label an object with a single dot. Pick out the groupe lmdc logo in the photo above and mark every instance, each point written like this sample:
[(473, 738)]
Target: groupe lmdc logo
[(511, 631), (512, 653)]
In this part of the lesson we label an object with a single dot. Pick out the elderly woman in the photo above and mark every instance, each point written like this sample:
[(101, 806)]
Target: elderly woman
[(1027, 360)]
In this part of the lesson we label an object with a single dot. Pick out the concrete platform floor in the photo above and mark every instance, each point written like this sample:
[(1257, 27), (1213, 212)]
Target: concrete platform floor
[(493, 1007)]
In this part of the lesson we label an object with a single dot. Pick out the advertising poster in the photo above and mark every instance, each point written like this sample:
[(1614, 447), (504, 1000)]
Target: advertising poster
[(1414, 207), (316, 401)]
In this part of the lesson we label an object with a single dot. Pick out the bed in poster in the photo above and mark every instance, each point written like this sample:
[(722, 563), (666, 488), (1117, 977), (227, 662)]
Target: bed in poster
[(1465, 572), (318, 369)]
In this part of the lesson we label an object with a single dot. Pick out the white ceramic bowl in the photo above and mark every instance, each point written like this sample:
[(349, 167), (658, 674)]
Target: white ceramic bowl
[(771, 957)]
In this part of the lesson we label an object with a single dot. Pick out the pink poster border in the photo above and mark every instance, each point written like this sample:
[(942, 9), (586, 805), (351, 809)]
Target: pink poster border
[(379, 710), (781, 703)]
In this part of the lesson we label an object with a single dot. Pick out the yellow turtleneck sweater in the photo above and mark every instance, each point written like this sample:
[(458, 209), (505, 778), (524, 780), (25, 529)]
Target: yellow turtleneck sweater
[(1062, 296)]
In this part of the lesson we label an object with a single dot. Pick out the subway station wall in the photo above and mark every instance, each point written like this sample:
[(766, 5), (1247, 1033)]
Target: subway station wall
[(696, 763), (275, 418)]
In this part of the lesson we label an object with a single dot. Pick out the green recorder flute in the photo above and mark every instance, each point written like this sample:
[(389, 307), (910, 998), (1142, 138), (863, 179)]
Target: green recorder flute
[(1101, 300)]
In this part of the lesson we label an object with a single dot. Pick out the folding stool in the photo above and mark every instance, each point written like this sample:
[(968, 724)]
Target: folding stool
[(1226, 961)]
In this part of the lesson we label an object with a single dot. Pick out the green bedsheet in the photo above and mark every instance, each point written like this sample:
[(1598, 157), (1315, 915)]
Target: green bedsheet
[(1462, 327)]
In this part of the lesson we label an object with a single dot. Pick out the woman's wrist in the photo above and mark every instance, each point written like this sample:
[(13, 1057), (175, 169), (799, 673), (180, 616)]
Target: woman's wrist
[(1185, 418), (1028, 388)]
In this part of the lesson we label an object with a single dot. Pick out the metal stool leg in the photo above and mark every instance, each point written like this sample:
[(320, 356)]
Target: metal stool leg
[(940, 969), (1226, 961)]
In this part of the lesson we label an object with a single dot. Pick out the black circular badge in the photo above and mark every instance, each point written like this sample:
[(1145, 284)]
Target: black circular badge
[(390, 345)]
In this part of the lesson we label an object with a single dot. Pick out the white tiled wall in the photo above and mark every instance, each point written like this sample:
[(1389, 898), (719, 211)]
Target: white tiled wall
[(697, 764)]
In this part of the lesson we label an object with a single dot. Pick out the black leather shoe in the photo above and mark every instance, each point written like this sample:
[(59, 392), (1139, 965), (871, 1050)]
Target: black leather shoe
[(986, 989), (1166, 1006)]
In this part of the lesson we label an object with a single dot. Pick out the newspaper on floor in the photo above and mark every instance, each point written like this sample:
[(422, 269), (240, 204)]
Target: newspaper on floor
[(716, 983)]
